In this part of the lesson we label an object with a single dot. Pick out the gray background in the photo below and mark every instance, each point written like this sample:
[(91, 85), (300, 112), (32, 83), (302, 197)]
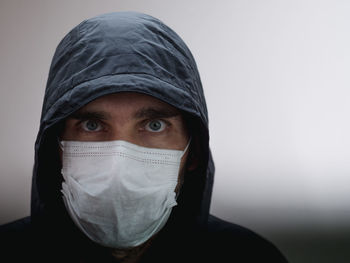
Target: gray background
[(276, 80)]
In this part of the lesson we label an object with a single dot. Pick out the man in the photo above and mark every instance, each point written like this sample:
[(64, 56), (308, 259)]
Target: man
[(123, 170)]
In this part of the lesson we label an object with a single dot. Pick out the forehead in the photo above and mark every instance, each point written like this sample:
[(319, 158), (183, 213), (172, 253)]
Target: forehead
[(128, 102)]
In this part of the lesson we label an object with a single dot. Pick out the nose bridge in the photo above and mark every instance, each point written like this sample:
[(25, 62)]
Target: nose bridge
[(121, 130)]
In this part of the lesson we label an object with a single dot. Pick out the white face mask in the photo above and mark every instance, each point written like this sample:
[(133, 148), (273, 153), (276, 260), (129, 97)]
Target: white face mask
[(117, 193)]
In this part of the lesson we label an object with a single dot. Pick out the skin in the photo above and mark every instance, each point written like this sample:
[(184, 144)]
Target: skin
[(137, 118)]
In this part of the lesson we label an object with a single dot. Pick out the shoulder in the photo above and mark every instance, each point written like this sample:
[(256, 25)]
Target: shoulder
[(16, 236), (19, 227), (228, 240)]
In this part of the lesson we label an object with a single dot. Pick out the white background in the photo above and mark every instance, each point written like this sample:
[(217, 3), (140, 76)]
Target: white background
[(276, 78)]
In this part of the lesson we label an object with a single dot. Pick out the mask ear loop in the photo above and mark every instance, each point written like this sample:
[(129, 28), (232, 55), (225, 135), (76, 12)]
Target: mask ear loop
[(186, 148), (183, 153), (60, 144)]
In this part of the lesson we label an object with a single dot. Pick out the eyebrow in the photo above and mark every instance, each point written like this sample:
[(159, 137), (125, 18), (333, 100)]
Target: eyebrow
[(155, 113), (85, 115)]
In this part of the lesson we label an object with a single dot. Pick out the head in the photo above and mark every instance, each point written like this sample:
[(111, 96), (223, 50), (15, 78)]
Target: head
[(124, 77)]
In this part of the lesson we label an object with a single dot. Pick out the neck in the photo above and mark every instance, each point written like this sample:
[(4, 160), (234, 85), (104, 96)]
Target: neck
[(130, 255)]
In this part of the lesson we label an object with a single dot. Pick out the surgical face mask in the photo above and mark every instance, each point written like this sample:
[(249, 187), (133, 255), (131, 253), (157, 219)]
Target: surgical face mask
[(119, 194)]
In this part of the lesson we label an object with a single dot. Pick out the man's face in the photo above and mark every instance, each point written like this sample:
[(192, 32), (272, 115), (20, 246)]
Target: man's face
[(133, 117)]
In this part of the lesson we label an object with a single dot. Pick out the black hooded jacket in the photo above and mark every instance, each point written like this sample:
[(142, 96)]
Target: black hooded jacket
[(113, 53)]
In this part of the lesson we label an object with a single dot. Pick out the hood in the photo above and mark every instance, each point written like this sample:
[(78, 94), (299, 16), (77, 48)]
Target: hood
[(110, 53)]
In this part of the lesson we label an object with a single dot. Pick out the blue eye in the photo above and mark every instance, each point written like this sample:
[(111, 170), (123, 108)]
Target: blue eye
[(91, 126), (155, 126)]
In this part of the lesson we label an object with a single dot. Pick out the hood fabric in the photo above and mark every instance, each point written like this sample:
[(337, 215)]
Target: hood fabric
[(112, 53)]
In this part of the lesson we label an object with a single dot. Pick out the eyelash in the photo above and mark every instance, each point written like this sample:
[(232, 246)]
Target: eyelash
[(143, 125), (163, 126), (146, 122), (82, 122)]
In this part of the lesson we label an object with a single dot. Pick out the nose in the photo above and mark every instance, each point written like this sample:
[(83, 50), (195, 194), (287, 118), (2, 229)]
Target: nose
[(123, 132)]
